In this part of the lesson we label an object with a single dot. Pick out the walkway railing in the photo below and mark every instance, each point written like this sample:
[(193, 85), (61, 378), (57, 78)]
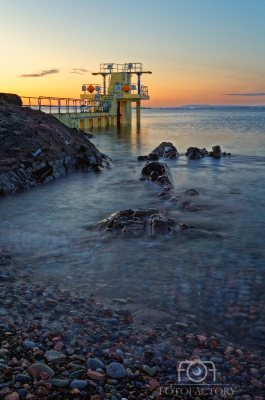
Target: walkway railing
[(134, 89), (62, 105)]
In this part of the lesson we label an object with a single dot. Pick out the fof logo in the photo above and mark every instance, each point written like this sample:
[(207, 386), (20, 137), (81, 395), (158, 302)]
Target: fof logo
[(196, 371)]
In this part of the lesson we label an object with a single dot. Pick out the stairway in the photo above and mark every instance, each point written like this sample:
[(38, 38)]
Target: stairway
[(115, 77)]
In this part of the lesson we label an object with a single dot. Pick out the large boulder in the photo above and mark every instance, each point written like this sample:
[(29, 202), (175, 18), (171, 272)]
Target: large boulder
[(194, 153), (37, 148), (166, 149), (217, 152), (141, 221)]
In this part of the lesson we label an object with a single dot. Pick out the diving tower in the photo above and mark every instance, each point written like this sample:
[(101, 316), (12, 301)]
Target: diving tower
[(101, 104)]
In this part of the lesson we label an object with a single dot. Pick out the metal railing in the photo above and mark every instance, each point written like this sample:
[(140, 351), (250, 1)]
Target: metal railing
[(127, 67), (144, 90), (62, 105)]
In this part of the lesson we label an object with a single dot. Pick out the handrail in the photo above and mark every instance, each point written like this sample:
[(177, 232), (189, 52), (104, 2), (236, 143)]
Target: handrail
[(77, 106)]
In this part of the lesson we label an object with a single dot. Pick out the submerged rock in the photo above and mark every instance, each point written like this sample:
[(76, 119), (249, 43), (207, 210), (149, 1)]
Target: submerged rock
[(192, 192), (138, 222)]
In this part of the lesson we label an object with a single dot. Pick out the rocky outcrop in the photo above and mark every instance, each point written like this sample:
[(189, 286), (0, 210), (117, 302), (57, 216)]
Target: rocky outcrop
[(141, 221), (159, 173), (165, 149), (195, 154), (36, 148), (216, 152), (11, 98)]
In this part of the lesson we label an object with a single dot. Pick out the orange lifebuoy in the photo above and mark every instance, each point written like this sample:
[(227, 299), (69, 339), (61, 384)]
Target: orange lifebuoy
[(126, 88), (91, 89)]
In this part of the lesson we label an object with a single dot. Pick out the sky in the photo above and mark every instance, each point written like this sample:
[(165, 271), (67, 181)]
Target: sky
[(199, 51)]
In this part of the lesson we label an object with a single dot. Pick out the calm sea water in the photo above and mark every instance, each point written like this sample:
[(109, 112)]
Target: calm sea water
[(215, 277)]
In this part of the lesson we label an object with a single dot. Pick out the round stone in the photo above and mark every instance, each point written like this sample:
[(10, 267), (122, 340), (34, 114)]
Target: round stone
[(23, 378), (36, 369), (116, 371), (80, 384), (94, 364)]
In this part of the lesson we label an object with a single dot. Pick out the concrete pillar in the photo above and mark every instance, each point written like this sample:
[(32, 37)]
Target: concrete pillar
[(95, 122), (138, 112), (124, 112), (87, 127), (129, 112)]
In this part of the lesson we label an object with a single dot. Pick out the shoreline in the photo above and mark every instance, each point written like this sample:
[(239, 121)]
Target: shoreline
[(78, 339)]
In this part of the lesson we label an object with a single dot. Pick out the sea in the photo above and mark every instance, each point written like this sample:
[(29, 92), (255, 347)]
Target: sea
[(213, 277)]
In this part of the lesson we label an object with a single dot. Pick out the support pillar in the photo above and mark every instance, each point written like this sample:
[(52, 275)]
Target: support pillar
[(124, 112), (138, 112), (95, 122), (129, 112)]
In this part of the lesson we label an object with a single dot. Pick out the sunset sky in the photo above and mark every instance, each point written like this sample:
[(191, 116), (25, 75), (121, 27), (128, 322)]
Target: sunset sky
[(200, 51)]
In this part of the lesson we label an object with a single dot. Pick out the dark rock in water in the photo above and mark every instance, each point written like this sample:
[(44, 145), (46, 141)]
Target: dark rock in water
[(161, 171), (153, 157), (160, 225), (138, 222), (154, 175), (152, 166), (162, 195), (142, 158), (192, 192), (217, 152), (166, 149), (37, 148), (194, 153), (183, 204), (184, 227)]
